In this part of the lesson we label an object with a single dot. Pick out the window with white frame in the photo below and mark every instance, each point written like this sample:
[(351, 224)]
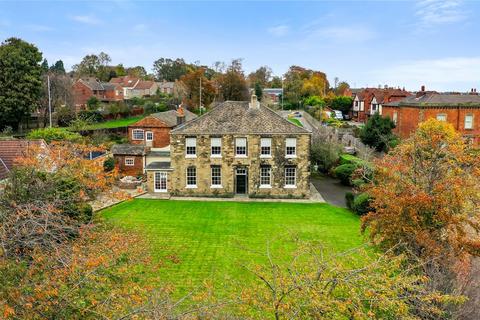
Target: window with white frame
[(216, 147), (241, 147), (441, 117), (265, 176), (265, 147), (290, 176), (137, 134), (191, 177), (191, 147), (129, 162), (291, 147), (469, 121), (216, 176), (395, 117)]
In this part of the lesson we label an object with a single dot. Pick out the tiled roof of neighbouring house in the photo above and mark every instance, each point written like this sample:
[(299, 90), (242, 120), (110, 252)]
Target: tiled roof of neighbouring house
[(128, 149), (142, 85), (170, 117), (236, 117), (439, 100), (12, 149)]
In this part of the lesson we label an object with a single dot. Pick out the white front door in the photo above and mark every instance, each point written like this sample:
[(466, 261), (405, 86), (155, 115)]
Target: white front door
[(160, 182), (149, 138)]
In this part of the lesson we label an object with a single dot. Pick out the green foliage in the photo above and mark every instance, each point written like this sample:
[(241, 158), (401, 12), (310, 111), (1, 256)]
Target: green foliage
[(349, 197), (91, 116), (169, 69), (137, 101), (117, 109), (350, 159), (361, 204), (377, 132), (93, 103), (314, 101), (109, 164), (344, 173), (54, 134), (341, 103), (20, 81), (65, 115), (58, 67), (324, 154), (258, 91)]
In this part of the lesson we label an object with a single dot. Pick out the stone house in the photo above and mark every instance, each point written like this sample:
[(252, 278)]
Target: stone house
[(461, 110), (237, 148), (148, 141)]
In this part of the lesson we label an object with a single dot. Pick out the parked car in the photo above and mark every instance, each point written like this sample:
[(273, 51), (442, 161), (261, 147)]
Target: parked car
[(337, 114)]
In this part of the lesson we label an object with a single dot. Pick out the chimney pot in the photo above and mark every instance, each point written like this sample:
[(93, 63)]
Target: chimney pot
[(422, 88), (180, 115)]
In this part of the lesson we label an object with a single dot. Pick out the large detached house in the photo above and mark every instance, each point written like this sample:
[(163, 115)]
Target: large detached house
[(461, 110), (369, 101), (238, 147), (84, 89)]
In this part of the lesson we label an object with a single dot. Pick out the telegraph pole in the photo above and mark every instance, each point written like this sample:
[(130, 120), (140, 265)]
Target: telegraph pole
[(49, 101)]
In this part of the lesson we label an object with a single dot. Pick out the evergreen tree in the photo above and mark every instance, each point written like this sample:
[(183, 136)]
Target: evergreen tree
[(377, 132), (20, 81)]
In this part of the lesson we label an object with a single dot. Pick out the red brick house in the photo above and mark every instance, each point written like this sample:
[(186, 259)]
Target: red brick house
[(149, 141), (84, 89), (13, 149), (461, 110), (369, 101)]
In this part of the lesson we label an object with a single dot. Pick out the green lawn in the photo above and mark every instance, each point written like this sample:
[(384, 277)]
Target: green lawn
[(209, 238), (118, 123), (295, 121)]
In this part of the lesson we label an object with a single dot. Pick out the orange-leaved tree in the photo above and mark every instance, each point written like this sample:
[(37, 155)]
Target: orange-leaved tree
[(426, 195)]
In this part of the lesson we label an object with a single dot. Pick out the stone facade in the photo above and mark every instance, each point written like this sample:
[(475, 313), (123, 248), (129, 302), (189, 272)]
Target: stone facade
[(228, 163)]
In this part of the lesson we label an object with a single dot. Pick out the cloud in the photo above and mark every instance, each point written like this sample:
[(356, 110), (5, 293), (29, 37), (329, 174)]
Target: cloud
[(445, 73), (279, 31), (86, 19), (437, 12)]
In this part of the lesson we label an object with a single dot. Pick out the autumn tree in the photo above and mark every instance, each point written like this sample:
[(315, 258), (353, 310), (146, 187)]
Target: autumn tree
[(20, 81), (426, 195), (301, 82), (262, 76), (191, 82), (232, 84)]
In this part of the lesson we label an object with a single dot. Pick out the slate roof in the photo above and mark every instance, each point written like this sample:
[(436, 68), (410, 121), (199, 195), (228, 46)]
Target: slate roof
[(236, 117), (142, 85), (159, 153), (128, 149), (439, 100), (170, 116), (126, 81), (156, 165), (11, 150), (94, 84)]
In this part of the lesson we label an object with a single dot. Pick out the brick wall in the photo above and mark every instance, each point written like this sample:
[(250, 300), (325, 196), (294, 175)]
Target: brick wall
[(124, 170), (161, 132), (81, 93), (408, 119)]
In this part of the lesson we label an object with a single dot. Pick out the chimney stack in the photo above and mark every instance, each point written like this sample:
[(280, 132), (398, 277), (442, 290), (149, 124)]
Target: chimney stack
[(421, 92), (473, 92), (180, 115), (254, 104)]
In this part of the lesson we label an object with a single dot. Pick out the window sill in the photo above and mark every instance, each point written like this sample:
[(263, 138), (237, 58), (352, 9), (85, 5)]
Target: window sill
[(216, 156), (290, 187), (265, 186), (191, 187), (265, 156), (190, 156), (216, 186), (290, 157), (241, 156)]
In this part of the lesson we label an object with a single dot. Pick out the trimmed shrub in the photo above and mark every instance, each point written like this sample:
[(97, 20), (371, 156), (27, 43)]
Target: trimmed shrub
[(349, 198), (344, 173), (109, 164), (65, 116), (349, 159), (54, 134), (361, 204)]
